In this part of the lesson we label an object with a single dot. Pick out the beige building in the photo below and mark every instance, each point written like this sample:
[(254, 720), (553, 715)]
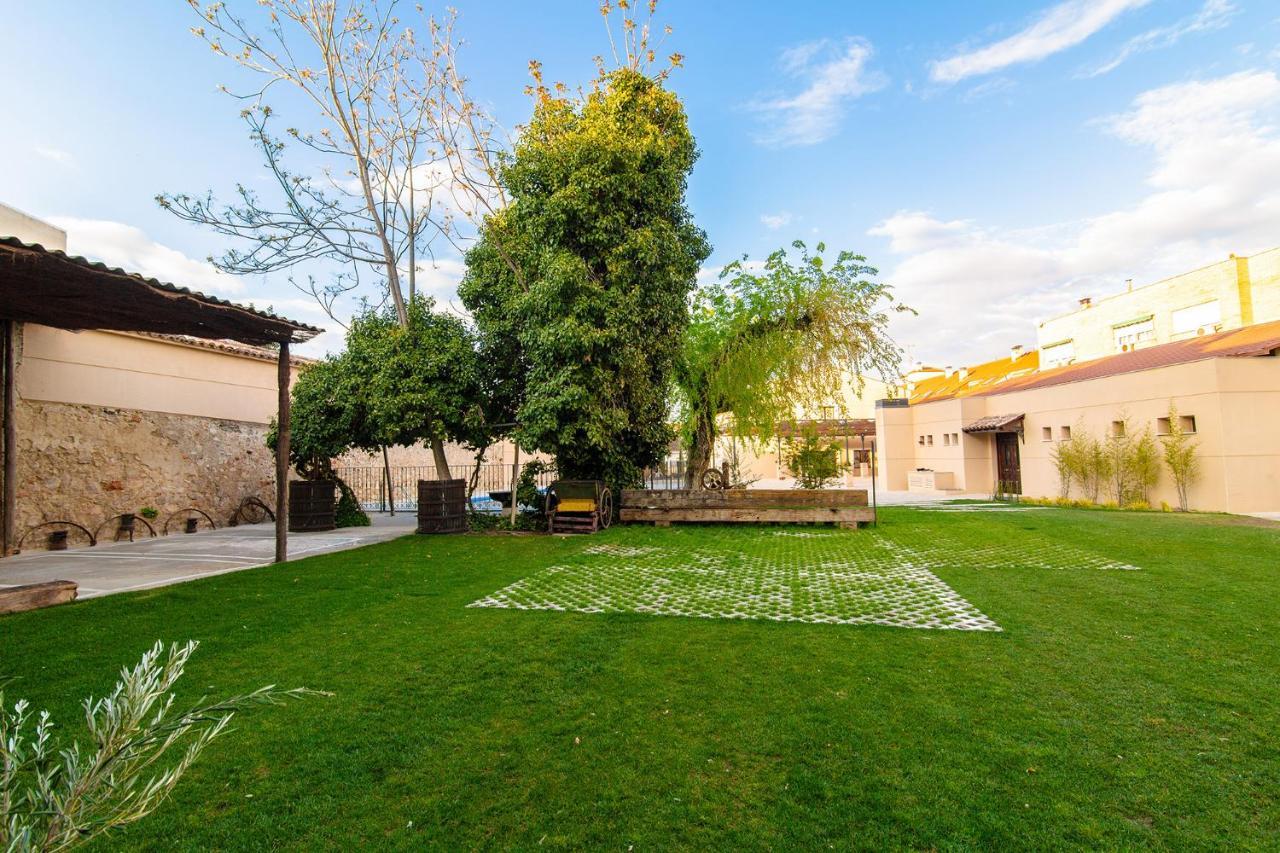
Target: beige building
[(1206, 342), (1236, 292)]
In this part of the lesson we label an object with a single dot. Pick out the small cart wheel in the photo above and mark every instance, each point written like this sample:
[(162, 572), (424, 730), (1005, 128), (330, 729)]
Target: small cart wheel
[(606, 509), (712, 479)]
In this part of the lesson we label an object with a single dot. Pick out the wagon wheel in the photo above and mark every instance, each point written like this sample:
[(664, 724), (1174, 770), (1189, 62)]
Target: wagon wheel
[(252, 511), (712, 479), (606, 509)]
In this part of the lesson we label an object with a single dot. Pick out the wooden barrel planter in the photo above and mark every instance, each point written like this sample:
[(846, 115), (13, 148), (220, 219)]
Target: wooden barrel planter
[(312, 505), (442, 506)]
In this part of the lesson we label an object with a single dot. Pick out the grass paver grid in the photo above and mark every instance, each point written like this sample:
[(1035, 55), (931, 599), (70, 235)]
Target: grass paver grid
[(819, 576)]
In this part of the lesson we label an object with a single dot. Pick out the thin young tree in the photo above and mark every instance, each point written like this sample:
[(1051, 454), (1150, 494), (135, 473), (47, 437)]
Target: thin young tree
[(391, 149), (1181, 455)]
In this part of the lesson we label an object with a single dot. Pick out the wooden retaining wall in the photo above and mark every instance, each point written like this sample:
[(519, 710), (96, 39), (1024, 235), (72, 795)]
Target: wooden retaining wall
[(845, 507)]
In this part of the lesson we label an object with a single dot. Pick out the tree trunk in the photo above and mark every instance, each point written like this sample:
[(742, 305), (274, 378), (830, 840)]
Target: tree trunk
[(386, 470), (699, 454), (442, 464)]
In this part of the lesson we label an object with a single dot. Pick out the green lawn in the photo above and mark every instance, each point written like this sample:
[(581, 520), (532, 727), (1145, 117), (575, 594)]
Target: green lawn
[(1130, 698)]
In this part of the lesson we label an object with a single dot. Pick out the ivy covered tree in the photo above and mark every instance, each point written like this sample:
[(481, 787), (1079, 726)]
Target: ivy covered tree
[(580, 286), (759, 345)]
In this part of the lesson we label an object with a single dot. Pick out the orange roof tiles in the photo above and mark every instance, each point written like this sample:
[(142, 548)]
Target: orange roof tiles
[(972, 380), (1004, 374)]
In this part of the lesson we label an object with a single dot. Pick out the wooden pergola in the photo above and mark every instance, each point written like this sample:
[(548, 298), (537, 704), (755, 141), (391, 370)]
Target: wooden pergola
[(52, 288)]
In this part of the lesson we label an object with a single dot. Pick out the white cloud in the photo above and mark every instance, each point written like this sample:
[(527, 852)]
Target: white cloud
[(118, 245), (1213, 188), (1060, 27), (834, 73), (57, 155), (1214, 15), (774, 221), (915, 231)]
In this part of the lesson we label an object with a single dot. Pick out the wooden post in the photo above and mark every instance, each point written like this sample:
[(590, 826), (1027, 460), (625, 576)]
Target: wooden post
[(282, 456), (10, 437), (515, 481)]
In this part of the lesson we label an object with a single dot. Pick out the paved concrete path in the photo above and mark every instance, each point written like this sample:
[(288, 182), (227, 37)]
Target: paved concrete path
[(147, 563)]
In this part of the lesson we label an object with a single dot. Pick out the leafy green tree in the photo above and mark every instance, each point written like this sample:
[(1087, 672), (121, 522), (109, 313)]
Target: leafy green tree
[(759, 345), (579, 288), (419, 381), (392, 385)]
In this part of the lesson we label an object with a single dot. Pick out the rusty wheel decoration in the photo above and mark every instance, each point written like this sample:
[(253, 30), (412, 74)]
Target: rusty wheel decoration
[(56, 527), (712, 480), (606, 509), (188, 518), (252, 510), (127, 526)]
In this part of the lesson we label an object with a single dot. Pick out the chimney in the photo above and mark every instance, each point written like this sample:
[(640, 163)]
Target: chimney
[(1015, 352), (1128, 285), (1086, 302), (949, 371)]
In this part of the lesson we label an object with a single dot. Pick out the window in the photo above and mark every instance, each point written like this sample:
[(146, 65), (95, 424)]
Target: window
[(1197, 319), (1065, 432), (1056, 355), (1134, 334), (930, 440), (1186, 423), (920, 441), (1117, 429), (1046, 433), (955, 438), (946, 439)]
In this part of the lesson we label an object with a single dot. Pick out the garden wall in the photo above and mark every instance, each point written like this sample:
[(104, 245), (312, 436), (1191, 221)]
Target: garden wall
[(87, 463)]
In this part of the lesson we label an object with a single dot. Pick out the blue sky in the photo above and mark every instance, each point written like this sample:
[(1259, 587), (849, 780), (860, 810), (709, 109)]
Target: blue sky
[(996, 160)]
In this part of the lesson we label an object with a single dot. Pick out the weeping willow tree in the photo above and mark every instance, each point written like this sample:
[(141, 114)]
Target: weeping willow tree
[(761, 344)]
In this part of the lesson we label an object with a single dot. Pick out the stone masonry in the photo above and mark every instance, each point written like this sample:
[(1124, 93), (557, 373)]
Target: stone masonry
[(88, 463)]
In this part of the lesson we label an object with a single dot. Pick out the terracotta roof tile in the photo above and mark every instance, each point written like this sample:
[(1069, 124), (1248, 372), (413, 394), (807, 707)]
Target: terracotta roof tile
[(1259, 340)]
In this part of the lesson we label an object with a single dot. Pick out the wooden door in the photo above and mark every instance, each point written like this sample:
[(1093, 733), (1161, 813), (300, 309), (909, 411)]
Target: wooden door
[(1008, 464)]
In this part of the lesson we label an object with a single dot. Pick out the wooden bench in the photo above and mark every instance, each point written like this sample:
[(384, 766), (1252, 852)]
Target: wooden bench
[(16, 599), (845, 507)]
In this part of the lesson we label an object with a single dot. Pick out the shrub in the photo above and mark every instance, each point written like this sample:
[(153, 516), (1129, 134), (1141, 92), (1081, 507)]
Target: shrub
[(348, 512), (150, 513), (814, 463), (527, 493), (55, 799)]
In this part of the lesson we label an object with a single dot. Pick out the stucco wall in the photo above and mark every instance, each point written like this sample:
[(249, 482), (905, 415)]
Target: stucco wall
[(1235, 401), (88, 463), (148, 374)]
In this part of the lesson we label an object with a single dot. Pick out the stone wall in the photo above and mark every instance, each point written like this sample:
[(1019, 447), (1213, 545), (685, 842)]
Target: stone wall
[(88, 463)]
